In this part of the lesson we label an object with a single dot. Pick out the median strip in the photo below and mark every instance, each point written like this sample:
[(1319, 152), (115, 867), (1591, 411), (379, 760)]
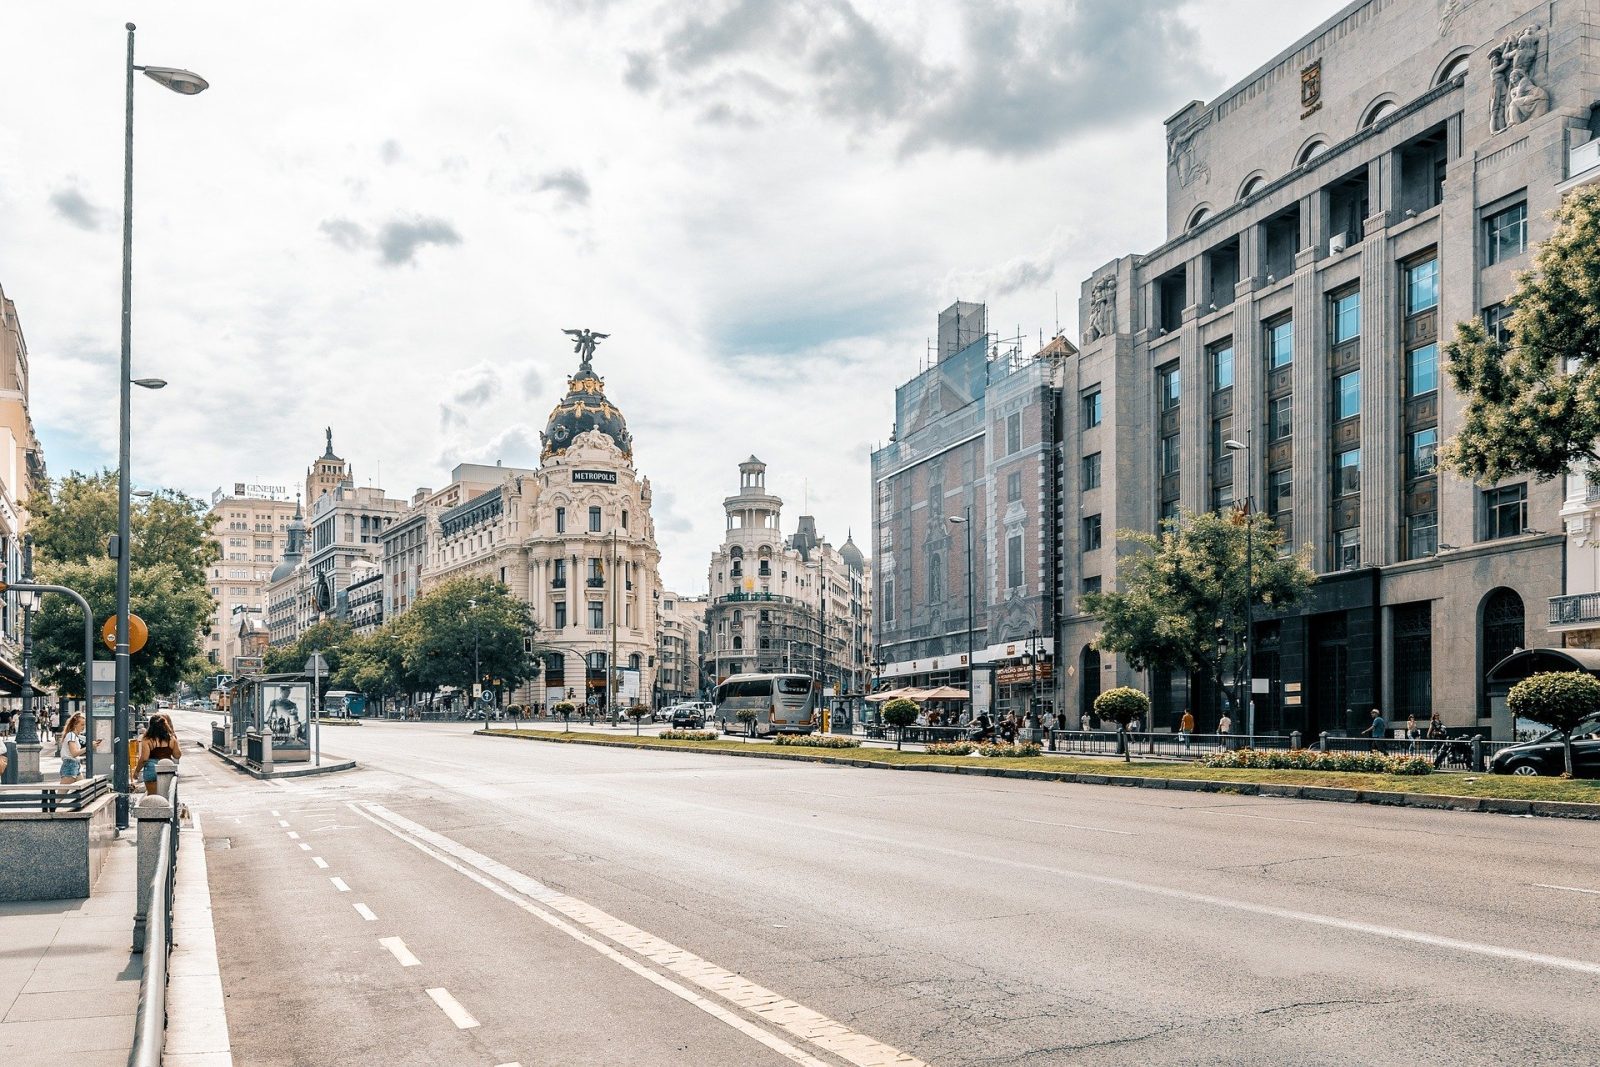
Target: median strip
[(1504, 795)]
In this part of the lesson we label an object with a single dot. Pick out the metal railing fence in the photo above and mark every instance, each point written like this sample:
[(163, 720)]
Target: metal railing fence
[(50, 796), (150, 1023)]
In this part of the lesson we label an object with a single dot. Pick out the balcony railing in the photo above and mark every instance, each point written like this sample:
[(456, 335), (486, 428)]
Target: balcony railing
[(597, 583), (558, 583), (1583, 157), (1574, 609), (734, 598)]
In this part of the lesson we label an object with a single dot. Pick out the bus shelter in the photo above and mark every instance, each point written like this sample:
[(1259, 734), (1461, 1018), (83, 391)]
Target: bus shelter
[(271, 709)]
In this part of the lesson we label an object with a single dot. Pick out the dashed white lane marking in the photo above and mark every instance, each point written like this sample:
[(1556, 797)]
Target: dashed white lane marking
[(509, 1065), (320, 862), (365, 912), (809, 1026), (305, 847), (283, 822), (293, 836), (1264, 818), (275, 814), (338, 883), (452, 1008), (397, 949), (1568, 888), (1076, 826)]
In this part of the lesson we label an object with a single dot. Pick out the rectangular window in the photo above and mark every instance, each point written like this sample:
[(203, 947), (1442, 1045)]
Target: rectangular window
[(1280, 418), (1013, 433), (1505, 234), (1422, 370), (1497, 323), (561, 615), (597, 615), (1347, 395), (1092, 413), (1091, 534), (1013, 487), (1091, 471), (594, 520), (1346, 317), (597, 572), (1222, 366), (1168, 387), (1170, 455), (1421, 449), (1280, 493), (1422, 286), (561, 520), (1505, 511), (1090, 584), (559, 578), (1347, 472), (1422, 535), (624, 519), (1346, 549), (1222, 498), (1014, 561), (1280, 344), (1169, 511)]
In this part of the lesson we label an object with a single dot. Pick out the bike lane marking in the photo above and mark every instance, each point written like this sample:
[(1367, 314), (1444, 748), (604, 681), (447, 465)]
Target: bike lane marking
[(453, 1009)]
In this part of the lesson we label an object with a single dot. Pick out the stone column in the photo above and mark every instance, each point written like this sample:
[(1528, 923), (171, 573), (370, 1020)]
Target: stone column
[(166, 778)]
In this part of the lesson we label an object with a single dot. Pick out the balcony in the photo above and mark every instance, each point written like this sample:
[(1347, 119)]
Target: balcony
[(596, 583), (558, 583), (1583, 158), (1577, 611), (734, 598)]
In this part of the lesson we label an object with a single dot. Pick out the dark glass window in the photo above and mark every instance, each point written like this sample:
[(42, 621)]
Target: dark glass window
[(1280, 418), (1347, 472), (597, 615), (1346, 549), (1091, 534), (1422, 535), (1091, 471), (1422, 370), (1280, 344), (1168, 387), (1280, 493), (1422, 286), (561, 520), (1346, 317), (1091, 584), (1347, 395), (1171, 455), (1092, 413), (1413, 661), (1222, 366), (1505, 511), (1505, 234), (1497, 323), (1013, 487), (1014, 561), (1421, 449), (1013, 433), (594, 520)]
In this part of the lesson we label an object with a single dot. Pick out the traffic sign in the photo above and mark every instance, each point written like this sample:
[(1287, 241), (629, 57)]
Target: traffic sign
[(138, 633)]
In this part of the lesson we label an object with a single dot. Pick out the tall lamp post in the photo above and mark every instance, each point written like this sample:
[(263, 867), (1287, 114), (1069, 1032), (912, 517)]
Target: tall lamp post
[(184, 83), (965, 520), (1249, 587)]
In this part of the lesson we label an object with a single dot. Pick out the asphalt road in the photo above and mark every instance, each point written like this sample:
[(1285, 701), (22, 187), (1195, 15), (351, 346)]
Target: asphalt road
[(592, 906)]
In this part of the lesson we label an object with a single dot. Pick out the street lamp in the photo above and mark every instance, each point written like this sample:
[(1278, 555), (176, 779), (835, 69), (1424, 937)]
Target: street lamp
[(184, 83), (965, 520), (1249, 591)]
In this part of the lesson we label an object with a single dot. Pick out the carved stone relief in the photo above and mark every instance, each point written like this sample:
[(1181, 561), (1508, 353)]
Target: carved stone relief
[(1516, 96), (1102, 309), (1181, 153)]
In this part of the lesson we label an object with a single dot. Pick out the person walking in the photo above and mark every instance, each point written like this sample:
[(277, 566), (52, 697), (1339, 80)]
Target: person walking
[(159, 742), (1224, 728), (1083, 722), (1377, 730), (1185, 727)]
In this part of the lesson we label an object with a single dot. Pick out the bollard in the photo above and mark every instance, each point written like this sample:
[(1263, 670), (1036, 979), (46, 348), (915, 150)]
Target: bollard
[(1477, 752), (1294, 739), (1322, 741), (166, 774), (150, 811)]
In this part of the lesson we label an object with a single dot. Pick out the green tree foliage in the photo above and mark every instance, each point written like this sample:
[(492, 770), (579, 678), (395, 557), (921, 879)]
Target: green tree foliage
[(175, 611), (1533, 402), (900, 713), (328, 636), (1563, 699), (1181, 602), (374, 664), (1122, 705), (468, 619), (75, 520)]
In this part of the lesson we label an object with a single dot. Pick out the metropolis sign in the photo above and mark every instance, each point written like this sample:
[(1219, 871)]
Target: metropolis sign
[(594, 477)]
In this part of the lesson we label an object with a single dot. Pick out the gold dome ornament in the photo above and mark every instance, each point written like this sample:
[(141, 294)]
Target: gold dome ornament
[(585, 407)]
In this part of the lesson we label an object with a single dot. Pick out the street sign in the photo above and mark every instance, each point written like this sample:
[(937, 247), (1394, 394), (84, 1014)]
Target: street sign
[(316, 664), (138, 633)]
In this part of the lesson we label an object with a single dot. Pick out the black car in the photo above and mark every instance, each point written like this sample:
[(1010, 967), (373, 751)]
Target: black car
[(1544, 756), (687, 718)]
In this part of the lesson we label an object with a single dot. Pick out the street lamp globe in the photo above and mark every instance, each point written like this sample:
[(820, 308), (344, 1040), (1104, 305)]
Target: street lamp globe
[(185, 82), (150, 383)]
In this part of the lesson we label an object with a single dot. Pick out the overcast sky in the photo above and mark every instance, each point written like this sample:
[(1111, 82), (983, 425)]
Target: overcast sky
[(381, 215)]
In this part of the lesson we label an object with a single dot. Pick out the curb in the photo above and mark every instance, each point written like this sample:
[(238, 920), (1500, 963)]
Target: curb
[(295, 772), (1553, 809)]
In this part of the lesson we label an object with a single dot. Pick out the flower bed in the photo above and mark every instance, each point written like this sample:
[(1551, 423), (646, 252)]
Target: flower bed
[(689, 735), (952, 748), (816, 741), (1021, 748), (1305, 759)]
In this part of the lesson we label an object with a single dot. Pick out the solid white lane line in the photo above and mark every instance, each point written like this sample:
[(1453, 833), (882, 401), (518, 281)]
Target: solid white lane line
[(452, 1008), (1568, 888), (365, 912), (1075, 826), (320, 862), (397, 949), (338, 883), (802, 1022), (305, 847), (293, 836), (1246, 815)]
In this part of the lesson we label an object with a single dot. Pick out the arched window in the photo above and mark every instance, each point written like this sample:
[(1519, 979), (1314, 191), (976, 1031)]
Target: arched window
[(1453, 68), (596, 660), (1252, 185), (1200, 215), (1311, 151), (1501, 631), (1377, 110), (635, 661)]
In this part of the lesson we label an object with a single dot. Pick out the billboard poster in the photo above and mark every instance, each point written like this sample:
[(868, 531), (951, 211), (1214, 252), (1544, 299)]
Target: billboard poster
[(287, 713), (628, 687)]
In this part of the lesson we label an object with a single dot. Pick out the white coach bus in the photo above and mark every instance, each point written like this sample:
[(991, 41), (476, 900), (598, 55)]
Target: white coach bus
[(783, 703)]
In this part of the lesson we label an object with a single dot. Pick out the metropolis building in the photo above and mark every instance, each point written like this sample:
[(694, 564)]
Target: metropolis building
[(1330, 218)]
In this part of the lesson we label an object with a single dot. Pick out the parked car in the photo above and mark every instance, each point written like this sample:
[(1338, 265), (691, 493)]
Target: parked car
[(1543, 755), (664, 714), (687, 716)]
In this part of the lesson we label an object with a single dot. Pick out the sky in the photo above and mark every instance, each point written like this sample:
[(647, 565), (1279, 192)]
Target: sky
[(380, 217)]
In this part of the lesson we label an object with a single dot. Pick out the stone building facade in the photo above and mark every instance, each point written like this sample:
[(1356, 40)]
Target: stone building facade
[(976, 437), (680, 646), (1330, 218), (21, 467), (250, 532), (575, 539)]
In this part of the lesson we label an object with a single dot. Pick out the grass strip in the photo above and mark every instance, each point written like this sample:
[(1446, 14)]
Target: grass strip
[(1502, 787)]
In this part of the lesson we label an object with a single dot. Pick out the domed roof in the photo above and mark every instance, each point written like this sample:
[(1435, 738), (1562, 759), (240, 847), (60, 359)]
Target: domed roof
[(283, 570), (294, 542), (584, 408), (851, 554)]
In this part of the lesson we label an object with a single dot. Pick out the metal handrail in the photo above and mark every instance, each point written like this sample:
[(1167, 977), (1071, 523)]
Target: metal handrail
[(51, 796), (150, 1024)]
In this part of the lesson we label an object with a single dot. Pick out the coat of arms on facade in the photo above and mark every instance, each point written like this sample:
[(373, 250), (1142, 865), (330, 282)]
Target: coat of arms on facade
[(1516, 97), (1310, 88), (1102, 309), (1181, 153)]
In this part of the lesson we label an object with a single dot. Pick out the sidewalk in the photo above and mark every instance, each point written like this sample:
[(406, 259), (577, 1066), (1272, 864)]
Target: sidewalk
[(69, 979)]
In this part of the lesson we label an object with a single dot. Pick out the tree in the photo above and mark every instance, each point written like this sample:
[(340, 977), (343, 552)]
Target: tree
[(1533, 399), (174, 610), (469, 629), (329, 636), (374, 664), (900, 713), (1181, 602), (73, 522), (1122, 705), (1563, 699)]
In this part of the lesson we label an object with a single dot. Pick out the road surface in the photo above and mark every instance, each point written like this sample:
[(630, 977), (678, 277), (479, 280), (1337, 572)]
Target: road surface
[(468, 900)]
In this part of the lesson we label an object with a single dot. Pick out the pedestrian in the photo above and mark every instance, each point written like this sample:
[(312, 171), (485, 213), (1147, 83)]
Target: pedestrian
[(1224, 728), (1377, 730), (1185, 727), (1436, 728), (73, 749), (1413, 734), (159, 742), (1083, 722)]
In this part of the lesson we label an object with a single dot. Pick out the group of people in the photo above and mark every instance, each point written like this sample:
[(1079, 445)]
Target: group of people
[(159, 742)]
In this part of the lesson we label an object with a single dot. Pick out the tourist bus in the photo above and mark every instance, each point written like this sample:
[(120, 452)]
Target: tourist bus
[(783, 703)]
